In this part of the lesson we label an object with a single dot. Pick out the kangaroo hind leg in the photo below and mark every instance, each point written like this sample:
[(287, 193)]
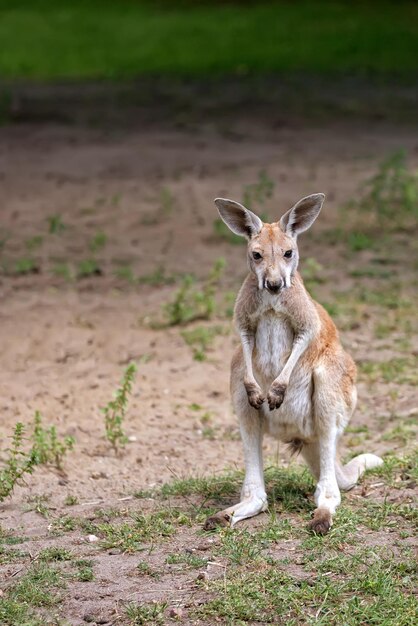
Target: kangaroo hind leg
[(320, 456), (253, 493)]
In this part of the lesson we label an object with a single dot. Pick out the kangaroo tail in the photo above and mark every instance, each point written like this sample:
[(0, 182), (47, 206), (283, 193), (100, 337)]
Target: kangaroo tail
[(348, 475)]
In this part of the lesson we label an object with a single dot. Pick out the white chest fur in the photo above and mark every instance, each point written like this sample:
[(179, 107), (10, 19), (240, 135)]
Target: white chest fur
[(273, 342), (274, 338)]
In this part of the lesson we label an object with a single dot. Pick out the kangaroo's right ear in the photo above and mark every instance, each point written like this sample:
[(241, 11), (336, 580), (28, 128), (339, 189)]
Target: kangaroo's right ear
[(240, 220)]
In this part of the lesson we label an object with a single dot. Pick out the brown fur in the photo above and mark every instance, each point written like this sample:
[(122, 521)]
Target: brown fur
[(290, 375), (321, 521)]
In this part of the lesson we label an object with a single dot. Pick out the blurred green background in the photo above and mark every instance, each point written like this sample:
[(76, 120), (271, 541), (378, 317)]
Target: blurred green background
[(121, 39)]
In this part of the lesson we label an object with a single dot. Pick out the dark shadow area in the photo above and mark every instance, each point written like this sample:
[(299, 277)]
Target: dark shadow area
[(181, 102)]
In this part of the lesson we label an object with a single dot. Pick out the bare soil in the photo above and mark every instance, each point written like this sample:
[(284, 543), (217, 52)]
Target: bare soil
[(64, 345)]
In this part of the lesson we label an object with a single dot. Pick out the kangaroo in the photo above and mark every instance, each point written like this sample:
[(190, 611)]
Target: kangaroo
[(290, 376)]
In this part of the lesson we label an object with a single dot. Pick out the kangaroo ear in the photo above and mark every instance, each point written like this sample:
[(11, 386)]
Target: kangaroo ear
[(240, 220), (302, 215)]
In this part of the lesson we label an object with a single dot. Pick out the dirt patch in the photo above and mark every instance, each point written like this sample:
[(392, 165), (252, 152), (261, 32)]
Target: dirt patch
[(66, 340)]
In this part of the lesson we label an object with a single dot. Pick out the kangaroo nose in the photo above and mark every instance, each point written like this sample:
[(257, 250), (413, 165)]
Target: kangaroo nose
[(275, 286)]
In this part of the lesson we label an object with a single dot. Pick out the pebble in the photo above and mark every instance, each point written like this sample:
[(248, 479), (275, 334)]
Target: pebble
[(97, 475), (92, 538), (176, 613)]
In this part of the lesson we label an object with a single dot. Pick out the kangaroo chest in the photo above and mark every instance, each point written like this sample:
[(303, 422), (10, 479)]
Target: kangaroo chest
[(273, 343)]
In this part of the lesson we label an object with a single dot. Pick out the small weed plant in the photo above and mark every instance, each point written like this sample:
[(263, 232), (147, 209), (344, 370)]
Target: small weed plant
[(256, 194), (147, 614), (157, 278), (17, 464), (47, 447), (62, 270), (87, 268), (115, 411), (55, 224), (26, 265), (389, 203), (98, 241), (392, 195), (191, 303), (200, 339)]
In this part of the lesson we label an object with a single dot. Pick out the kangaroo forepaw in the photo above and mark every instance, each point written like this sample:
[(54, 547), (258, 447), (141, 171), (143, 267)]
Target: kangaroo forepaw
[(221, 519), (255, 395), (275, 396)]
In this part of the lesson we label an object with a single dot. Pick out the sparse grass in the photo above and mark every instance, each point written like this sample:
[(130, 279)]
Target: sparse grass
[(256, 194), (157, 278), (165, 205), (33, 243), (191, 303), (11, 555), (114, 412), (55, 553), (65, 523), (403, 434), (241, 546), (70, 500), (144, 614), (392, 194), (132, 535), (387, 204), (26, 265), (125, 272), (48, 448), (200, 339), (376, 590), (398, 370), (62, 270), (98, 241), (144, 569), (18, 462), (288, 488), (312, 274), (371, 271), (273, 570), (39, 504), (209, 487), (167, 201), (88, 267), (396, 470), (188, 559), (36, 589), (358, 241), (84, 572), (55, 224)]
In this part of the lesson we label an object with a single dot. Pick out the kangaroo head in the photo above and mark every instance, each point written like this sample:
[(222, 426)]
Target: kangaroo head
[(272, 248)]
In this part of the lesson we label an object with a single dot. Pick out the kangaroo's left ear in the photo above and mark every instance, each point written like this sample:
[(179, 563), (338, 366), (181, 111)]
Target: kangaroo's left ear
[(302, 215)]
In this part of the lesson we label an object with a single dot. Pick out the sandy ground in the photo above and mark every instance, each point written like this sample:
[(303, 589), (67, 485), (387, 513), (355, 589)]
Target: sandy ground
[(64, 345)]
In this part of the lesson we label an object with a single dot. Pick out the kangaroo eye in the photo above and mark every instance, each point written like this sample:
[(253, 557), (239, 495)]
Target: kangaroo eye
[(257, 256), (288, 254)]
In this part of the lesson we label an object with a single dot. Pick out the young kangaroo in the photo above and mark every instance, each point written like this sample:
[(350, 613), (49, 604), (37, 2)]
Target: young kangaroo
[(290, 376)]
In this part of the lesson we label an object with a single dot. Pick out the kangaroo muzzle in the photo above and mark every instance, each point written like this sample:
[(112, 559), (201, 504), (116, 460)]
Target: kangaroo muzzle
[(274, 286)]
